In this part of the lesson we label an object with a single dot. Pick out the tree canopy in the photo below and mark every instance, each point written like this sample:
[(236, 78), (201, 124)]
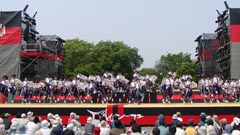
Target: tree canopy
[(180, 63), (87, 58)]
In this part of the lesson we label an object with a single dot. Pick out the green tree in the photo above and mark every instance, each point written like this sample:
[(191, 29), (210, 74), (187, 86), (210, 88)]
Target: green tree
[(86, 58), (117, 57), (76, 55), (190, 68), (149, 71), (171, 62)]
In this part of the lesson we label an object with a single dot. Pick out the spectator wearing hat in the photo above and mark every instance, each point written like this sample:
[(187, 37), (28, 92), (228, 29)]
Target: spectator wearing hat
[(30, 116), (117, 130), (2, 127), (190, 130), (89, 127), (155, 131), (178, 114), (71, 127), (160, 117), (21, 130), (71, 117), (202, 130), (223, 122), (13, 127), (78, 127), (23, 120), (236, 123), (202, 121), (179, 130), (163, 129), (174, 120), (97, 131), (96, 120), (104, 129), (77, 118), (37, 121), (50, 116), (57, 128), (103, 118), (216, 124), (45, 127), (210, 128), (227, 129), (32, 127), (6, 121)]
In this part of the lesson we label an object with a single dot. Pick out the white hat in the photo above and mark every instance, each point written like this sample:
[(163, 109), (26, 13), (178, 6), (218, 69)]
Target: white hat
[(89, 120), (55, 123), (45, 123), (72, 115), (50, 116), (23, 115), (174, 116), (236, 121), (7, 114), (71, 127), (59, 119), (30, 114), (77, 117), (56, 116)]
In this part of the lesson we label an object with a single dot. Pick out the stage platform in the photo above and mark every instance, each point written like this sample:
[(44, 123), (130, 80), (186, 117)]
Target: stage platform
[(121, 97), (145, 114)]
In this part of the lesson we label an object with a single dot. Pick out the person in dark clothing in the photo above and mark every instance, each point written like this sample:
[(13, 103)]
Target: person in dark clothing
[(117, 130), (89, 127), (136, 129), (112, 125), (68, 132), (6, 121), (172, 130)]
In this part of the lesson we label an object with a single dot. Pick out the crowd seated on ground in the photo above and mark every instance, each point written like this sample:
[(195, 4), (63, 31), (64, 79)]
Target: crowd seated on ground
[(28, 124)]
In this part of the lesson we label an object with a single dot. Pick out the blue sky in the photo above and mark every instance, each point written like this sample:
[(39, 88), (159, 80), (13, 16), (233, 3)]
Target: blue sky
[(155, 27)]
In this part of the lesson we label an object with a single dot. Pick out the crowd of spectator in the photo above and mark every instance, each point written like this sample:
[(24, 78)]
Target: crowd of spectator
[(27, 124)]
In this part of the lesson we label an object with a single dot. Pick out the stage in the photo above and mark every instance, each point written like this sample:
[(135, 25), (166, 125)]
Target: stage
[(145, 113)]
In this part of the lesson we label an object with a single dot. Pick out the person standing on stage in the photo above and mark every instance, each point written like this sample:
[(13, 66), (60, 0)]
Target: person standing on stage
[(55, 89), (235, 89), (48, 88), (217, 86), (226, 91), (169, 86), (188, 90), (14, 86), (5, 85), (25, 91)]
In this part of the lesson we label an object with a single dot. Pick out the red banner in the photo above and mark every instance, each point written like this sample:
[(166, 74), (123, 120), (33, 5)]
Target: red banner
[(235, 33), (11, 36)]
